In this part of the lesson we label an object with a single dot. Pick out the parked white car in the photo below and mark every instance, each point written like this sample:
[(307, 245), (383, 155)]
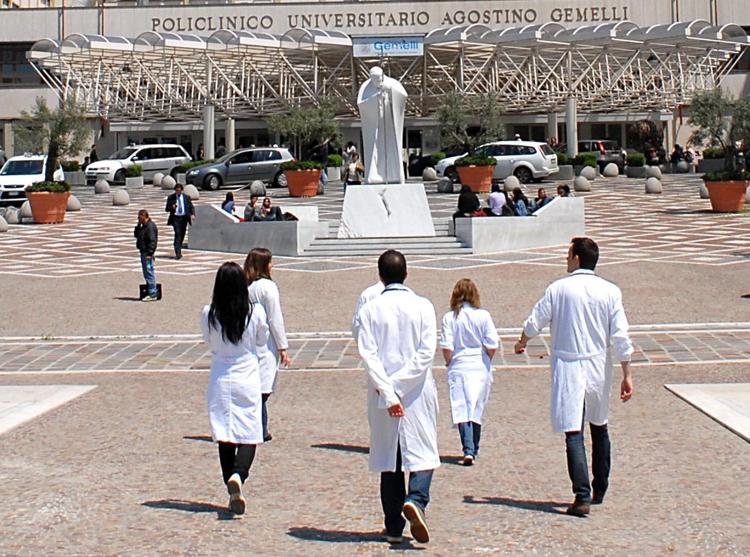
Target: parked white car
[(526, 160), (19, 172), (155, 158)]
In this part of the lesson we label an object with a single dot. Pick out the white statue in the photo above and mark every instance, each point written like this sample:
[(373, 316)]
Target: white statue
[(382, 101)]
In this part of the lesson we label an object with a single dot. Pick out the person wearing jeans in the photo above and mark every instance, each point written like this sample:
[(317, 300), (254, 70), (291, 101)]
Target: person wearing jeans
[(394, 495), (146, 235), (578, 469)]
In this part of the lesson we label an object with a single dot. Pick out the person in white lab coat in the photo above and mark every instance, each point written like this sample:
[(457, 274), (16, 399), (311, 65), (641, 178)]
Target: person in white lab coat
[(469, 340), (263, 290), (586, 317), (368, 294), (397, 338), (233, 328)]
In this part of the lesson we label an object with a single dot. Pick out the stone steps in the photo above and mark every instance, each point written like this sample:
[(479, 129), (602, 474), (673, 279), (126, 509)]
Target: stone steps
[(335, 247)]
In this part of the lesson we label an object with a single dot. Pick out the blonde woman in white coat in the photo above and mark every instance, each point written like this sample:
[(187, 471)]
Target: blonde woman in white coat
[(233, 328), (469, 340), (263, 290)]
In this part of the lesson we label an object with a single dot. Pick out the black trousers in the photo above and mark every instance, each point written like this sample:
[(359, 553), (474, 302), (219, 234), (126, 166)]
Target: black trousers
[(180, 225), (578, 469), (236, 459)]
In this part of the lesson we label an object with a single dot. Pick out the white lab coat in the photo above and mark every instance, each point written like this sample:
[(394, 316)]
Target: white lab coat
[(468, 335), (234, 394), (367, 294), (586, 317), (265, 292), (397, 339)]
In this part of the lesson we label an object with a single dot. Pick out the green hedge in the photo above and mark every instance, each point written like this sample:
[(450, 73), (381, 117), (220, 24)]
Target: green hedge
[(585, 159), (301, 165), (636, 159), (70, 166), (335, 161), (713, 153), (563, 159), (134, 171), (192, 164), (725, 175), (52, 187), (476, 160), (437, 157)]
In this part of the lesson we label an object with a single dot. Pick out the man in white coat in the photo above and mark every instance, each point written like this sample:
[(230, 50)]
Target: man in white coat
[(372, 291), (397, 338), (586, 317)]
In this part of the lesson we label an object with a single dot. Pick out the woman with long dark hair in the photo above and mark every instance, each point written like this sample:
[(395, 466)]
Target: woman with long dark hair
[(263, 290), (233, 328), (469, 340)]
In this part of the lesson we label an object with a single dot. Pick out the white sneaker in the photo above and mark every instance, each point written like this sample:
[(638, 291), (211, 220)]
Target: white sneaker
[(468, 460), (236, 500), (149, 299)]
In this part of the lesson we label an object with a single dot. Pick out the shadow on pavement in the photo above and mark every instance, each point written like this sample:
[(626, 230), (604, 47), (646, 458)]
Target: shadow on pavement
[(127, 298), (552, 507), (457, 460), (345, 536), (191, 507), (206, 438)]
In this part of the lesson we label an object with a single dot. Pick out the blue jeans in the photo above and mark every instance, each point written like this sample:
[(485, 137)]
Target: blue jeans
[(393, 494), (148, 274), (323, 177), (578, 468), (264, 413), (470, 433)]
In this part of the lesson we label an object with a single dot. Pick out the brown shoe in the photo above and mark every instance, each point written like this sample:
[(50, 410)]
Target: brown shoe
[(579, 508), (417, 523)]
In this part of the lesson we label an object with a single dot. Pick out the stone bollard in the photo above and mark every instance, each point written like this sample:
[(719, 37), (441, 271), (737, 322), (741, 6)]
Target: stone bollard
[(581, 183), (703, 191), (192, 192), (258, 187), (120, 198), (589, 173), (26, 211), (73, 204), (511, 183), (168, 183), (429, 174), (445, 185), (653, 172), (611, 170), (12, 216), (3, 225), (158, 177), (682, 167), (101, 186), (653, 185)]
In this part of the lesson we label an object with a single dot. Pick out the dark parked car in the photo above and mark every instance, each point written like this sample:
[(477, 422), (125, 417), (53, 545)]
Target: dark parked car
[(606, 151), (242, 167)]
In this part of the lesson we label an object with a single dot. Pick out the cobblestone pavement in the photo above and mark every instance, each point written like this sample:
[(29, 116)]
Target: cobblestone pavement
[(655, 345), (129, 469), (676, 227)]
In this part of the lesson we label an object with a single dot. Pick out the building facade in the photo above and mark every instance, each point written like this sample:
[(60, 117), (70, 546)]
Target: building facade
[(21, 28)]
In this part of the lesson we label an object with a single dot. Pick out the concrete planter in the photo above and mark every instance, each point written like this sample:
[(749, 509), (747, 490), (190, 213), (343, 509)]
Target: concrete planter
[(133, 182), (566, 172), (181, 178), (635, 171), (334, 173), (710, 165), (76, 178), (478, 178)]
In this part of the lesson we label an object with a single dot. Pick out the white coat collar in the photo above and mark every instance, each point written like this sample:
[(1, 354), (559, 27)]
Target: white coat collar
[(396, 286), (583, 272)]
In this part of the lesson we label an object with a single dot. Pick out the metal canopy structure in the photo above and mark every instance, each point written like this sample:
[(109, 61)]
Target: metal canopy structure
[(534, 69)]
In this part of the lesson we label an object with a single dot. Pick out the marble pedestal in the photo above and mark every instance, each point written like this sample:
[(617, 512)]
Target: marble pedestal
[(386, 211)]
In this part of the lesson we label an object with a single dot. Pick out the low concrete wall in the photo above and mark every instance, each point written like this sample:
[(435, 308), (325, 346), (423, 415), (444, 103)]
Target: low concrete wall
[(215, 230), (554, 224)]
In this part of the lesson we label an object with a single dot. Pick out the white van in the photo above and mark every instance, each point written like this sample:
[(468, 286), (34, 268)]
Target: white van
[(164, 158), (22, 171)]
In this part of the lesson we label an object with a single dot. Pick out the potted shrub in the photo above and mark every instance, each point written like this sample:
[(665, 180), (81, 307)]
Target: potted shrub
[(476, 172), (582, 160), (636, 165), (437, 157), (302, 177), (723, 122), (134, 176), (48, 201), (712, 159), (335, 162), (73, 173), (565, 164)]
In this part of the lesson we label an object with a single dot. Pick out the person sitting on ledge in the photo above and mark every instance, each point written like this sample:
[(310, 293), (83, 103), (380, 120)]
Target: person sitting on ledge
[(496, 202), (269, 213), (563, 190), (541, 199), (468, 203), (228, 205), (521, 203), (252, 211)]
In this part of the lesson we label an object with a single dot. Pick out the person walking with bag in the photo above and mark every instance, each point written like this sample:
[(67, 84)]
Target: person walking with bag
[(146, 238), (233, 328), (469, 340), (263, 290)]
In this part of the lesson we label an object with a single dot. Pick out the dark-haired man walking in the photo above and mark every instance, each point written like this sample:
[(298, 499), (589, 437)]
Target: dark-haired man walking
[(586, 316), (396, 335), (146, 238), (181, 213)]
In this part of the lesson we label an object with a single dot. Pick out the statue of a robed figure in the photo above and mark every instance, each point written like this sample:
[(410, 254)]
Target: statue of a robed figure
[(381, 102)]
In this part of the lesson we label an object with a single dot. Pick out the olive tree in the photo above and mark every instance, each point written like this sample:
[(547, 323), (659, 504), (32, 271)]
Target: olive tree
[(468, 122), (309, 126), (62, 132)]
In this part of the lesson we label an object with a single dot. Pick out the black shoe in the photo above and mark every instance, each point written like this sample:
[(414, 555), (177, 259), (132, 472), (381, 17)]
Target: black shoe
[(597, 499), (579, 508), (267, 438), (417, 523), (178, 256)]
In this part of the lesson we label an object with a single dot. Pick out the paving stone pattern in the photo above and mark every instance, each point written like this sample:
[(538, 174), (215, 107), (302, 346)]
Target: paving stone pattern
[(676, 228), (338, 351)]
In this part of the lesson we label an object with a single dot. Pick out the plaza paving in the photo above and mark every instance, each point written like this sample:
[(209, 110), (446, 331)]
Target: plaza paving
[(126, 468)]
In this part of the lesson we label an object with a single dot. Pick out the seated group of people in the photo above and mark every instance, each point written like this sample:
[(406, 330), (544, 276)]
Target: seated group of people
[(502, 204), (254, 211)]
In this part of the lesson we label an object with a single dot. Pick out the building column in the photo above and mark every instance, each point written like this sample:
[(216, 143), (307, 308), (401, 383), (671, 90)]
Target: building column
[(8, 140), (208, 131), (552, 126), (571, 125), (229, 137), (669, 134)]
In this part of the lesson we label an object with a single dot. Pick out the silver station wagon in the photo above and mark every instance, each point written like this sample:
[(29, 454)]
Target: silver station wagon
[(242, 167)]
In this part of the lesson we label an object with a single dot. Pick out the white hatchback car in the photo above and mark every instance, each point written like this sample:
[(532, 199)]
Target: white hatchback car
[(526, 160), (155, 158), (19, 172)]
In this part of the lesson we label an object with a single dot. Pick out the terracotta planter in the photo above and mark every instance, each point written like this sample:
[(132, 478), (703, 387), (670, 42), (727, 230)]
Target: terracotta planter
[(727, 197), (478, 178), (48, 208), (302, 183)]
